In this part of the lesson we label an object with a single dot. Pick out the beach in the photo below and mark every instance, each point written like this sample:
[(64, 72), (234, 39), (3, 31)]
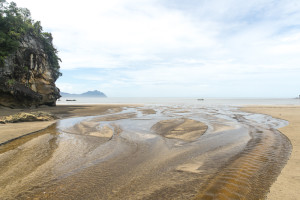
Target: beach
[(164, 140), (288, 182), (14, 130)]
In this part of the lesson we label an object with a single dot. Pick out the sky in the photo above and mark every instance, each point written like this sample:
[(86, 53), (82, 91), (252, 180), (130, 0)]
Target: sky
[(175, 48)]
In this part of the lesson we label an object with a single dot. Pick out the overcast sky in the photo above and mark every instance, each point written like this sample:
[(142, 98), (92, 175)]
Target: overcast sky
[(175, 48)]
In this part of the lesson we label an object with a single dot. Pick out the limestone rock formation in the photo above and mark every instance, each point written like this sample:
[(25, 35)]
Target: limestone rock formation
[(27, 78)]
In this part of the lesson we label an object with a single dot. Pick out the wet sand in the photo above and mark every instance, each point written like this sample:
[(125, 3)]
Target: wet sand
[(147, 152), (11, 131), (184, 129), (288, 183)]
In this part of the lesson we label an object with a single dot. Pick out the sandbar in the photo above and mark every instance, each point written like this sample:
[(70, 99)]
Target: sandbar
[(184, 129), (288, 182), (286, 186), (11, 131)]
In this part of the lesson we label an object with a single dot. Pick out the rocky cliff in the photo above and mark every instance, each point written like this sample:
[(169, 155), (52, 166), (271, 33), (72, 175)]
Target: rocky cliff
[(27, 78)]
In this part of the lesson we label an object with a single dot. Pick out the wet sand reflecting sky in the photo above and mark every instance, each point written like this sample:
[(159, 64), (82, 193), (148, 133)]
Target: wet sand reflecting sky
[(150, 152)]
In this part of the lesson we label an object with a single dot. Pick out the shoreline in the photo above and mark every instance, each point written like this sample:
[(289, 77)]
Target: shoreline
[(13, 131), (285, 187)]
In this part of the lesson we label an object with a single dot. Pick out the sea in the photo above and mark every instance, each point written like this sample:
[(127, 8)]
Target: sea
[(178, 101)]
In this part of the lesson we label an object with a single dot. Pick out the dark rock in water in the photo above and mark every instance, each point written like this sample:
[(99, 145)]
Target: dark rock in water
[(27, 78), (94, 93)]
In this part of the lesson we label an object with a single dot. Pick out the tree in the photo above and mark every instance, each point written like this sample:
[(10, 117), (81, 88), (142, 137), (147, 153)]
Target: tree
[(15, 24)]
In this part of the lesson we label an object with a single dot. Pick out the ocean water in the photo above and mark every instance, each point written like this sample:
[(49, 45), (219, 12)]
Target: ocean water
[(178, 101)]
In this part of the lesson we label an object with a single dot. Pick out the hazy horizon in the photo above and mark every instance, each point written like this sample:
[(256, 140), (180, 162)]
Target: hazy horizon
[(216, 49)]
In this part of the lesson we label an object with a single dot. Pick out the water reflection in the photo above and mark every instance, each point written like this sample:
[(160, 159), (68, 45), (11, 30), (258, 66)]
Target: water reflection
[(121, 156)]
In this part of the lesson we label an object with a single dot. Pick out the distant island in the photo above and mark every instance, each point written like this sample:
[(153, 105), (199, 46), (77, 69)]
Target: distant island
[(94, 93)]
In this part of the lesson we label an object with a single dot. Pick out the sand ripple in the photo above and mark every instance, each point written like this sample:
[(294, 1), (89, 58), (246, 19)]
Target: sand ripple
[(173, 153)]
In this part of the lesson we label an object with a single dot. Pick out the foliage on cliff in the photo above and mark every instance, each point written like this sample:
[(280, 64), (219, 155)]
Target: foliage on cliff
[(15, 24)]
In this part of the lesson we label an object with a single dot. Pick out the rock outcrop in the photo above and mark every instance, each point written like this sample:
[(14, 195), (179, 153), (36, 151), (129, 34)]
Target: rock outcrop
[(27, 117), (27, 78)]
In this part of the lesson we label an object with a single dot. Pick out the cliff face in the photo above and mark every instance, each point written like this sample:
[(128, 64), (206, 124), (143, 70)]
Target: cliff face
[(26, 78)]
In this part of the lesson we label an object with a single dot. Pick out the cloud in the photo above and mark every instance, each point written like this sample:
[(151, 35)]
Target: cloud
[(114, 33), (155, 44)]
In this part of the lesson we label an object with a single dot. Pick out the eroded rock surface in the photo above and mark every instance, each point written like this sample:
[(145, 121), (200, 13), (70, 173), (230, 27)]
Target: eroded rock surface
[(27, 117), (27, 78)]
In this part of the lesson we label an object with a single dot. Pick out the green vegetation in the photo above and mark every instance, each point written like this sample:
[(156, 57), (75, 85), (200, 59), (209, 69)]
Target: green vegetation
[(11, 82), (15, 24)]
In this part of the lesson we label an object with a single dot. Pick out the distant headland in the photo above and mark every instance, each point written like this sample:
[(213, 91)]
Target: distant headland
[(94, 93)]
